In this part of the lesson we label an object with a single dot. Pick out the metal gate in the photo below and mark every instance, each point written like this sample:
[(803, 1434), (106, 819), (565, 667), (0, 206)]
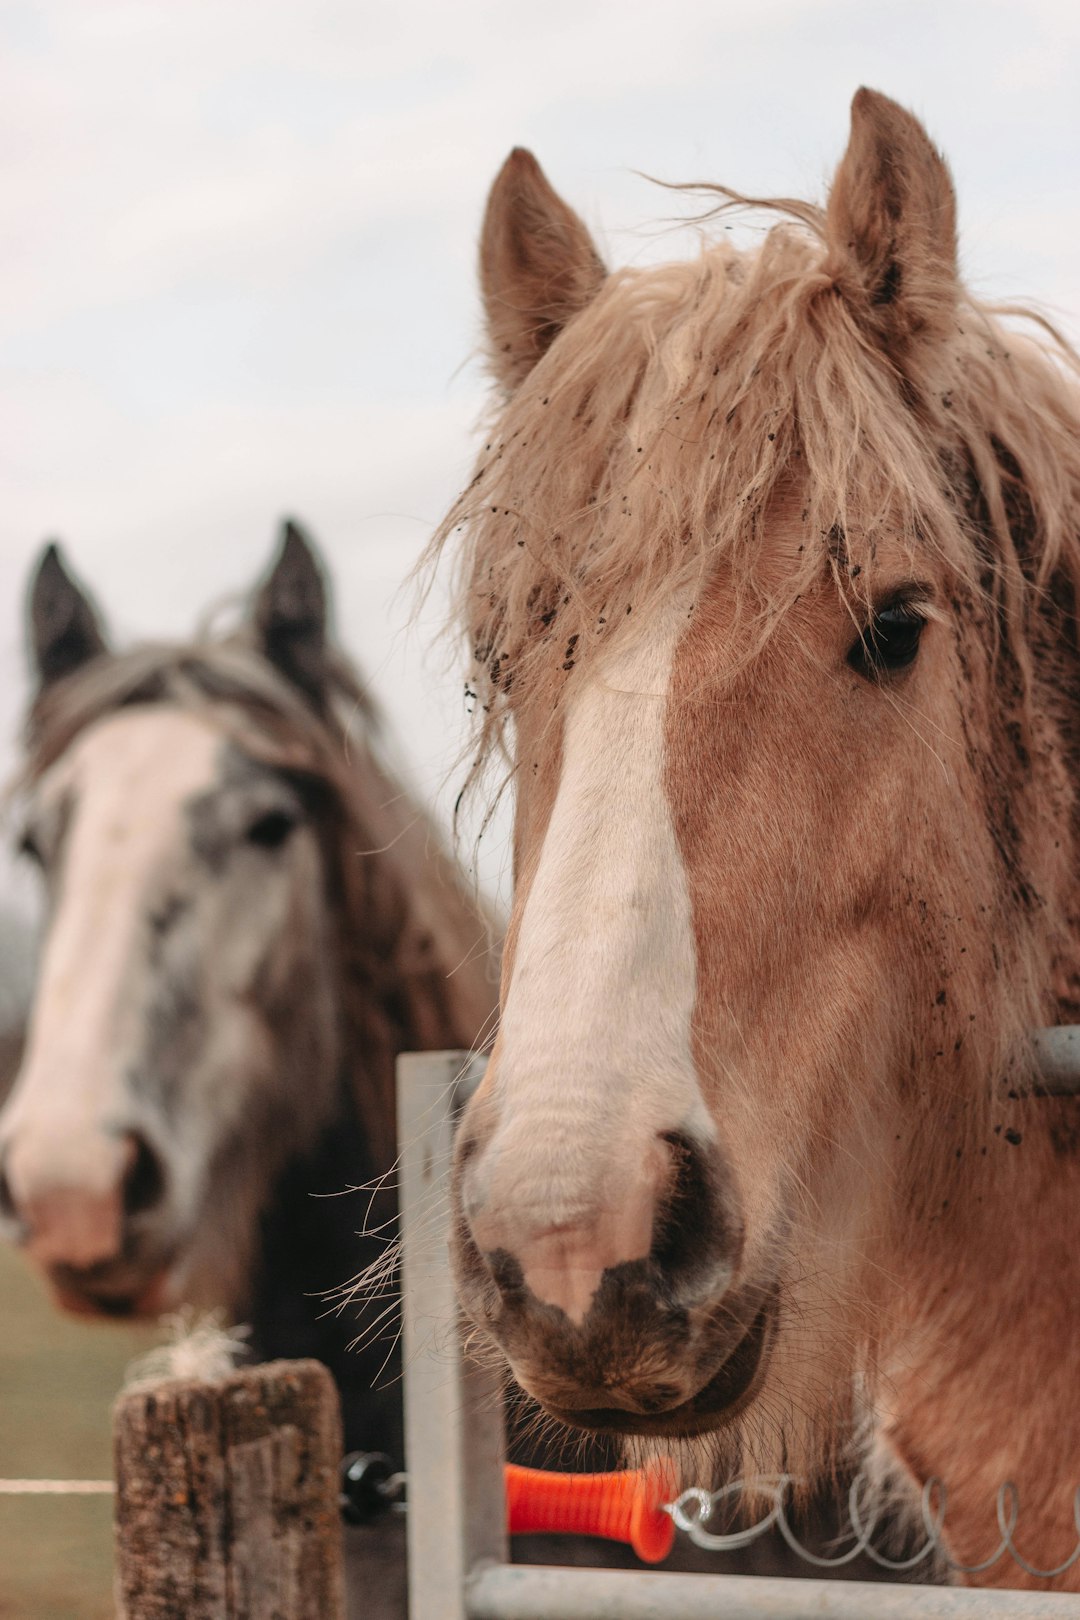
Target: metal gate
[(458, 1551)]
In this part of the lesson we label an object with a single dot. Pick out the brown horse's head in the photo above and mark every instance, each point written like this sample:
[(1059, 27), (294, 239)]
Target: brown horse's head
[(769, 571)]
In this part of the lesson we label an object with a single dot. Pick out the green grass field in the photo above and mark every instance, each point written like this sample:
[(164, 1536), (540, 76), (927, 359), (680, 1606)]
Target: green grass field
[(58, 1379)]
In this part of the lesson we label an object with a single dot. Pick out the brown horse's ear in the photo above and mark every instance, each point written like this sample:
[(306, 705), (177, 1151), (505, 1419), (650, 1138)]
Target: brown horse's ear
[(538, 267), (65, 631), (290, 614), (891, 226)]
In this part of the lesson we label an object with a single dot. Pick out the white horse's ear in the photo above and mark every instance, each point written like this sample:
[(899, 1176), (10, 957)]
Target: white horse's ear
[(538, 267), (891, 227), (290, 614), (65, 631)]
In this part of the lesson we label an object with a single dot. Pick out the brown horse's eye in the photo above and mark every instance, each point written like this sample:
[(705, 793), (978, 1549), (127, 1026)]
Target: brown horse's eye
[(889, 643)]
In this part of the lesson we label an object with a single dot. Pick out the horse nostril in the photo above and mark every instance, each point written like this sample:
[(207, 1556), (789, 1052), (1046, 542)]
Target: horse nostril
[(144, 1184), (466, 1165), (8, 1208), (698, 1233)]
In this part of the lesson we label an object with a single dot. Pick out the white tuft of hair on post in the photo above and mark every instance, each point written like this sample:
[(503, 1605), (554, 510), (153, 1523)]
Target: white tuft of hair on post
[(200, 1347)]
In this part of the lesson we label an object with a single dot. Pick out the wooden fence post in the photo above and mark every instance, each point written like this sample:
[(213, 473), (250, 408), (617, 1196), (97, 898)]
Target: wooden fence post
[(227, 1497)]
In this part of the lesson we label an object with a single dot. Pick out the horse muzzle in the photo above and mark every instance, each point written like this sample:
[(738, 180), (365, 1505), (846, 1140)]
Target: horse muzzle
[(637, 1362), (86, 1213), (632, 1317), (740, 1372)]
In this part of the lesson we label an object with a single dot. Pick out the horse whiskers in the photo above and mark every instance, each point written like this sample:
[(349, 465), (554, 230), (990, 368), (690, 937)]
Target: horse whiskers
[(372, 1330), (382, 1278), (482, 947)]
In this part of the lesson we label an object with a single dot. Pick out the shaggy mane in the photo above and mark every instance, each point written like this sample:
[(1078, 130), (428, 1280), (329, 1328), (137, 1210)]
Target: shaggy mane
[(648, 443), (204, 674)]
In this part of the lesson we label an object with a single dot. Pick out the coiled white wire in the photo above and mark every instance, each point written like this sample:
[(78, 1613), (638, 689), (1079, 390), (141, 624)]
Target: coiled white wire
[(693, 1509)]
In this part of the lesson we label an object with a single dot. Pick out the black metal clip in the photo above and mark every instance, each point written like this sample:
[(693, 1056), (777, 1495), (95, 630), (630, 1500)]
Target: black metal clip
[(370, 1487)]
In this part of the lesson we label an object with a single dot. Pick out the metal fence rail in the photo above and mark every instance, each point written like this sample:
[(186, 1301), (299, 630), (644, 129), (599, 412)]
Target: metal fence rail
[(531, 1592), (453, 1406), (458, 1549), (1057, 1056)]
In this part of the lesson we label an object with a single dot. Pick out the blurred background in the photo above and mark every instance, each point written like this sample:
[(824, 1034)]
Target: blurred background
[(238, 246), (239, 240)]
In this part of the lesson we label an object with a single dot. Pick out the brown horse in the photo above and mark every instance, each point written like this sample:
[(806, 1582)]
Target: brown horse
[(770, 570), (247, 919)]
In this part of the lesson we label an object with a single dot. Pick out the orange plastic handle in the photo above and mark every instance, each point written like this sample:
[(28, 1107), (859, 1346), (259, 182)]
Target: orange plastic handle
[(624, 1506)]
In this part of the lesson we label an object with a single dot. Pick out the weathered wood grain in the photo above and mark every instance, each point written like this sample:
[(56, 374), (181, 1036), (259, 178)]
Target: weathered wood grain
[(227, 1497)]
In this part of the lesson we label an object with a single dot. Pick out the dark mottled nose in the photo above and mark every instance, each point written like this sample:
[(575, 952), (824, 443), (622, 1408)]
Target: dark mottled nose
[(669, 1214), (614, 1332)]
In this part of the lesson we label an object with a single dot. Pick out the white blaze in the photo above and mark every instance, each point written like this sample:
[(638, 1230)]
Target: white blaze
[(127, 779), (594, 1053)]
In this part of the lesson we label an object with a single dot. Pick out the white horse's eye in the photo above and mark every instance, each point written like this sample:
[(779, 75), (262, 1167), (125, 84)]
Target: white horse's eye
[(271, 829)]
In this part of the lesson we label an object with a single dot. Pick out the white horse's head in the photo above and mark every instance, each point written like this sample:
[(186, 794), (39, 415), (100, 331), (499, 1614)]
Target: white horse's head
[(184, 1032)]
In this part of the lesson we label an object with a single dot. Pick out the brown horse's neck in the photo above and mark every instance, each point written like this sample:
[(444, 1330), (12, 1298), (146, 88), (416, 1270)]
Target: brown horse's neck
[(979, 1377)]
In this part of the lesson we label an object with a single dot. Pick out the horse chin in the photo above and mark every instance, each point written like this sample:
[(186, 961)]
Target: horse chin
[(97, 1295), (716, 1405)]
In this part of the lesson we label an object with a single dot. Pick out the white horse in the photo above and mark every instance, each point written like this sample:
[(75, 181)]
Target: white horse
[(247, 919)]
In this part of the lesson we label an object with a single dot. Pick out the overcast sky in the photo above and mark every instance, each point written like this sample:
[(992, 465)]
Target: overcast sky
[(238, 241)]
